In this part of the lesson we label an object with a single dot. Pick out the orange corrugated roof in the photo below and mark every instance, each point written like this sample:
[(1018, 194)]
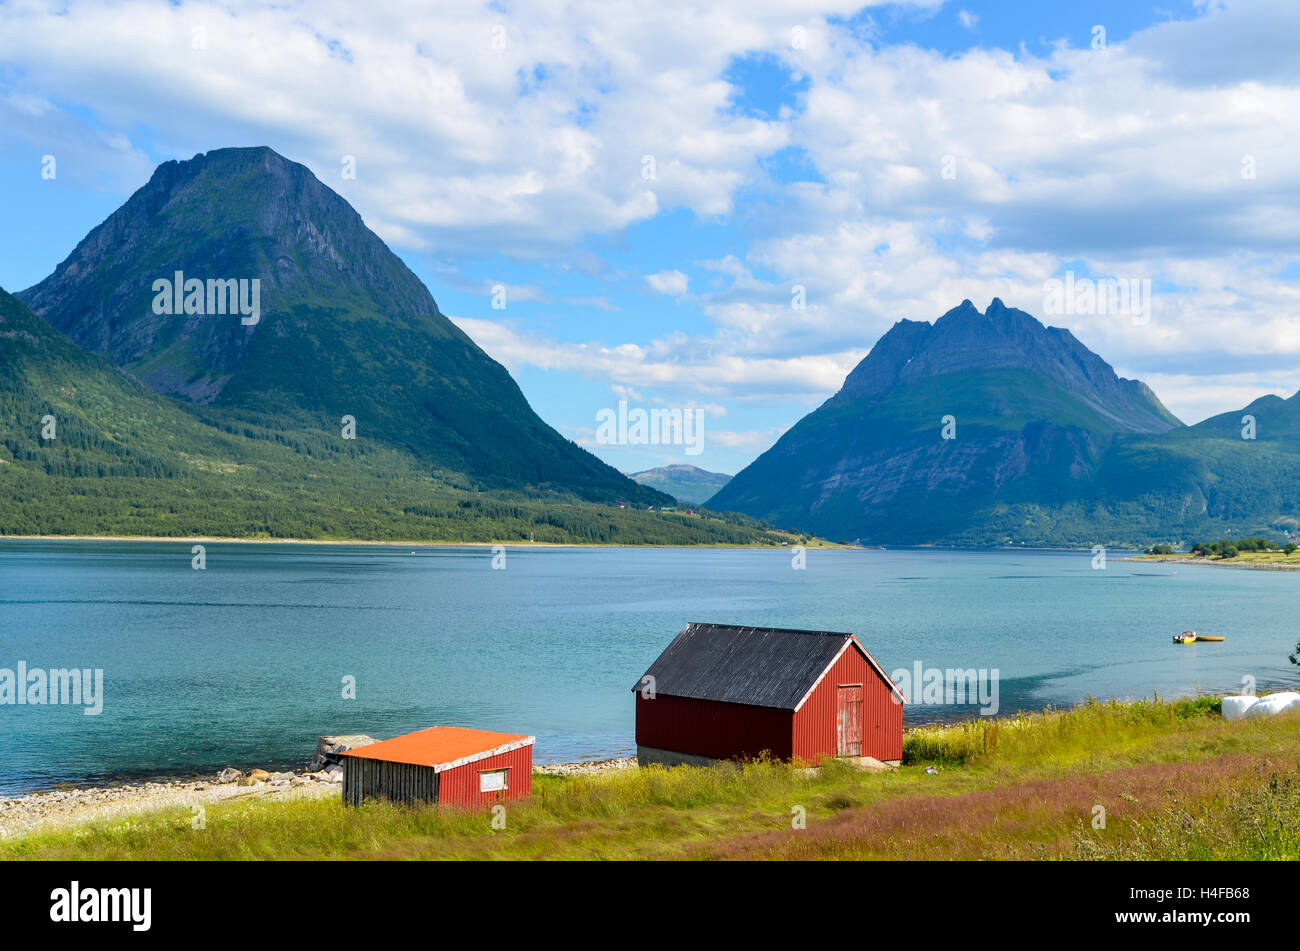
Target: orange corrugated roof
[(441, 746)]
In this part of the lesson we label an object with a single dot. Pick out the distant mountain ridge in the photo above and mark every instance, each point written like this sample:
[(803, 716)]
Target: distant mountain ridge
[(1049, 447), (685, 483), (346, 328)]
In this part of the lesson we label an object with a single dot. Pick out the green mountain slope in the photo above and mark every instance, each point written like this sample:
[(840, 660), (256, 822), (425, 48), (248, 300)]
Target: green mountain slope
[(689, 484), (345, 328), (126, 460), (1050, 448)]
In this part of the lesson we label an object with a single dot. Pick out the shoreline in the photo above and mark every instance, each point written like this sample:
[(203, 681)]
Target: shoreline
[(145, 790), (1226, 563), (279, 770), (50, 809), (215, 539), (65, 805), (813, 543)]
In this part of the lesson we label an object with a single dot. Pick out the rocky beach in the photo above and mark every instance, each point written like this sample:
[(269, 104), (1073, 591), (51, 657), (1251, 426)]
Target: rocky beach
[(20, 815), (67, 807)]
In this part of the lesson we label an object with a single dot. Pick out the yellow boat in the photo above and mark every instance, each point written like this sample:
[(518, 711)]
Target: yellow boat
[(1191, 637)]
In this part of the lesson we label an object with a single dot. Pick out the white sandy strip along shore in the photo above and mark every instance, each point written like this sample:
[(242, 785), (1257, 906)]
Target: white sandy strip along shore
[(71, 807)]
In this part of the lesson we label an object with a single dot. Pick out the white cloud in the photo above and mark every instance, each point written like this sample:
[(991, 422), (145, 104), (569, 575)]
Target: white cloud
[(473, 128), (598, 303), (1127, 162), (673, 283), (1192, 398), (754, 440), (677, 365), (626, 393)]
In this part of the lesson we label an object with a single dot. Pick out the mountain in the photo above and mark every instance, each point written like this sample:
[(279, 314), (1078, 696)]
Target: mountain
[(219, 424), (1276, 420), (342, 327), (1049, 447), (123, 459), (1003, 338), (684, 483), (95, 416)]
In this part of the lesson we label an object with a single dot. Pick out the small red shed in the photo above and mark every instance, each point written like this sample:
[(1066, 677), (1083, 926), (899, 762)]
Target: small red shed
[(444, 764), (721, 691)]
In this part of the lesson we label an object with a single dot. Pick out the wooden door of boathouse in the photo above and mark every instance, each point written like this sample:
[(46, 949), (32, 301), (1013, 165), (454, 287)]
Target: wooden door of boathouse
[(848, 720)]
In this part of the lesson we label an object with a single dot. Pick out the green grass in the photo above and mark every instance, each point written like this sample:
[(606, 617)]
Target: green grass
[(1022, 788), (1054, 735), (1242, 558), (1260, 821)]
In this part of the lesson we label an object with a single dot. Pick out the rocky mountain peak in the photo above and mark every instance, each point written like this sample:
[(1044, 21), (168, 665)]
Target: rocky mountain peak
[(1002, 337)]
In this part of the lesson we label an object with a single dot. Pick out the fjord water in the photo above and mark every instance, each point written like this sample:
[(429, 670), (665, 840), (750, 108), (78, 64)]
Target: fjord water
[(243, 663)]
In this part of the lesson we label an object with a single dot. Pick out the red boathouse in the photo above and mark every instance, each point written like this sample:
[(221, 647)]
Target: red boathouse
[(721, 691), (444, 764)]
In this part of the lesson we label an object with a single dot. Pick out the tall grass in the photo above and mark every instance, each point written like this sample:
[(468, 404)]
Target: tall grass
[(324, 827), (1259, 822), (1061, 735), (659, 812), (678, 788)]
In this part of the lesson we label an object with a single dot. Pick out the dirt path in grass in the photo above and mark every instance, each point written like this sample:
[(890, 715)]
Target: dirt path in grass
[(1032, 819)]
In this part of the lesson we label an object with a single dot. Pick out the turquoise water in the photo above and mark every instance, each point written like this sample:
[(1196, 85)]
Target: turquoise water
[(242, 663)]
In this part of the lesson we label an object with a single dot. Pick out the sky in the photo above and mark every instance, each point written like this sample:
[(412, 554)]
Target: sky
[(720, 206)]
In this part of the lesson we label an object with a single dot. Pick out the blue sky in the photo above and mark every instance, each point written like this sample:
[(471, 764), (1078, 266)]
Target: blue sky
[(651, 184)]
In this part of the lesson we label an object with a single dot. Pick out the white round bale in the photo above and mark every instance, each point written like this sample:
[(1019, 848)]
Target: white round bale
[(1273, 703), (1234, 708)]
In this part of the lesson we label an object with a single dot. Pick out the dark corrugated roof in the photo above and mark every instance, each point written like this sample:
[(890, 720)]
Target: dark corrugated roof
[(759, 666)]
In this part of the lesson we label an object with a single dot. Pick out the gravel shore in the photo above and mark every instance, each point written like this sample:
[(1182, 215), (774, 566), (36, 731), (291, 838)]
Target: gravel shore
[(67, 807), (583, 769), (20, 815)]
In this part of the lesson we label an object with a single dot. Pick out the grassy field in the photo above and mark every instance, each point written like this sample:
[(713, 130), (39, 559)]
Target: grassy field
[(1243, 559), (1175, 781)]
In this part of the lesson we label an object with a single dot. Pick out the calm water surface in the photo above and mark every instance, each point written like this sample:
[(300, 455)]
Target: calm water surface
[(242, 663)]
